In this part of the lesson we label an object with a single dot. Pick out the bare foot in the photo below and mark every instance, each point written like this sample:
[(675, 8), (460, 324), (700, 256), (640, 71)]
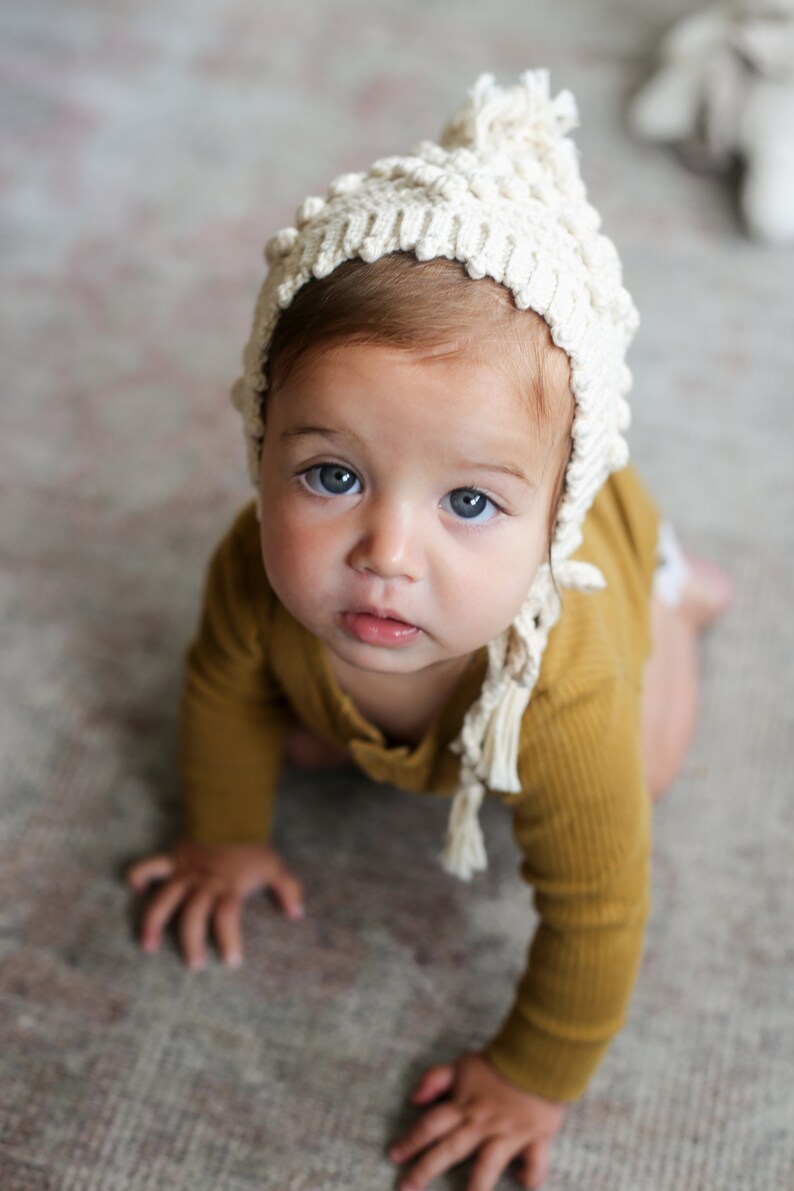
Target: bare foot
[(708, 592)]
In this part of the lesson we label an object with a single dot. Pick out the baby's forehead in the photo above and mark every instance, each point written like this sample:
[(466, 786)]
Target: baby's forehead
[(435, 311), (525, 356), (454, 395)]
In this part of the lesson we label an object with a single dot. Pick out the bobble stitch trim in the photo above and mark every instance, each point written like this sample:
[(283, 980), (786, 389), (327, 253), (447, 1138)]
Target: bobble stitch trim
[(309, 209), (623, 414), (515, 189), (617, 453), (345, 184), (280, 245), (383, 168), (483, 187), (448, 186)]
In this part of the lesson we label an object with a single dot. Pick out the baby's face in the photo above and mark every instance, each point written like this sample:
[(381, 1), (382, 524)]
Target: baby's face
[(415, 486)]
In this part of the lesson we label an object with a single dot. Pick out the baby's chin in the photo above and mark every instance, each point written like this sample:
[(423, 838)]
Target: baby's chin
[(380, 659), (421, 657)]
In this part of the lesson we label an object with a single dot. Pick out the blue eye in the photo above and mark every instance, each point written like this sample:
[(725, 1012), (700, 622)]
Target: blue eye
[(332, 479), (469, 503)]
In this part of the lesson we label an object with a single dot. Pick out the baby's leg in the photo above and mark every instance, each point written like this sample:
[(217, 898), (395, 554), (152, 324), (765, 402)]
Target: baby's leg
[(689, 594)]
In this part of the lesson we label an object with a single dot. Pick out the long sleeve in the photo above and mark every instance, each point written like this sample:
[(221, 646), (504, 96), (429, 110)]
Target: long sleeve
[(233, 714), (582, 824)]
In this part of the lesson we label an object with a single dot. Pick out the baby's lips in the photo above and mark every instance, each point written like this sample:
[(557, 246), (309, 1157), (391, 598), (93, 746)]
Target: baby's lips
[(380, 613), (378, 630)]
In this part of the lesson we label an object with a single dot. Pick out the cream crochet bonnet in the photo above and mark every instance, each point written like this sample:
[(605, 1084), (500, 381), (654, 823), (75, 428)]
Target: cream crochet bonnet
[(501, 193)]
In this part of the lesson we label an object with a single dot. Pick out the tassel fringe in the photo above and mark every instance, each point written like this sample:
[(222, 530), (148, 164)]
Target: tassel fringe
[(464, 851), (498, 765)]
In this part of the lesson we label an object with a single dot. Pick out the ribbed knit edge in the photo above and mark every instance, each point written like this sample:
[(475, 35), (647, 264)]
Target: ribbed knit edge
[(552, 1067)]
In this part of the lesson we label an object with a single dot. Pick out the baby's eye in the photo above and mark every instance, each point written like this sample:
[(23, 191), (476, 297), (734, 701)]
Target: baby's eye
[(469, 504), (331, 479)]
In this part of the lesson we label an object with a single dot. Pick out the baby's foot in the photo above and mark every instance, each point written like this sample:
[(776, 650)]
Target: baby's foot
[(708, 592)]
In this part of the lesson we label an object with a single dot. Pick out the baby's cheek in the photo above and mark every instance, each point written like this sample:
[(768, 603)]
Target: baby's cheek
[(494, 593), (295, 559), (281, 548)]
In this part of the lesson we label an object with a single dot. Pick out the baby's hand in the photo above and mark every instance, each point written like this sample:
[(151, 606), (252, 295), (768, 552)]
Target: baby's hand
[(201, 882), (482, 1111)]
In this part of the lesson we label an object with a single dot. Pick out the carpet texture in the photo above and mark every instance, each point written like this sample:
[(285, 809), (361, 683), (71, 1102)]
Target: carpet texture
[(149, 150)]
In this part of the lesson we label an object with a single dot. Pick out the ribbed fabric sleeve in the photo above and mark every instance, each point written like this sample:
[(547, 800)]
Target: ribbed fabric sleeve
[(233, 715), (582, 824)]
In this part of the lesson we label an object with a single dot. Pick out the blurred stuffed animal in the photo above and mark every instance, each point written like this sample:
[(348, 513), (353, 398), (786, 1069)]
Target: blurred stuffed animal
[(725, 87)]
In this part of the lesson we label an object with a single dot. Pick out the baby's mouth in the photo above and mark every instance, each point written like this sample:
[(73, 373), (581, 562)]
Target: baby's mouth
[(378, 626), (380, 614)]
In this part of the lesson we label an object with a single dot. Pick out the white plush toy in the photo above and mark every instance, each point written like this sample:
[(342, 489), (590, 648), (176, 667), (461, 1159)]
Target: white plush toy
[(726, 83)]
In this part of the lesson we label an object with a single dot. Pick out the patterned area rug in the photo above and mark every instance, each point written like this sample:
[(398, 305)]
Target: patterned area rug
[(149, 151)]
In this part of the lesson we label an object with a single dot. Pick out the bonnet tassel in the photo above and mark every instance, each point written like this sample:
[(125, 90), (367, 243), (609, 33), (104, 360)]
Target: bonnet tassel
[(498, 766), (464, 851)]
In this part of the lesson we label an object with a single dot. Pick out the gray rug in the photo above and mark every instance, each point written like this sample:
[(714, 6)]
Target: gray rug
[(149, 150)]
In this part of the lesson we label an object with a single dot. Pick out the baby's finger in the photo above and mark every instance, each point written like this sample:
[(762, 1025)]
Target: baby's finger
[(434, 1082), (491, 1161), (193, 926), (158, 912), (434, 1124), (289, 893), (154, 868), (228, 929), (536, 1159), (453, 1149)]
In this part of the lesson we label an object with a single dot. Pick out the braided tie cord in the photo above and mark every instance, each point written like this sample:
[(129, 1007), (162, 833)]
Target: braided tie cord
[(491, 734)]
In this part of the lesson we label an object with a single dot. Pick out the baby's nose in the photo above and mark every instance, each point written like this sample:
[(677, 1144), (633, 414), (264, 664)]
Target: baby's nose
[(387, 544)]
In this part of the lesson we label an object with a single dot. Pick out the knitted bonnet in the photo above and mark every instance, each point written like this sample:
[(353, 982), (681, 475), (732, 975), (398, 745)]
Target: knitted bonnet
[(501, 193)]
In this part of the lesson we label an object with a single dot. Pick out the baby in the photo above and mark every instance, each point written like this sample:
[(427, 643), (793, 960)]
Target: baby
[(451, 578)]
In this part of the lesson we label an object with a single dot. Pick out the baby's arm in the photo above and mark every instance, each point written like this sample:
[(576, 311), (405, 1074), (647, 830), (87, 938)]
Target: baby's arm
[(232, 726), (581, 822), (583, 826)]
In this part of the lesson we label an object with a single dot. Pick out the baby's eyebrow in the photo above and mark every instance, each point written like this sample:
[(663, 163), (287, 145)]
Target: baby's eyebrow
[(324, 431), (508, 469)]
